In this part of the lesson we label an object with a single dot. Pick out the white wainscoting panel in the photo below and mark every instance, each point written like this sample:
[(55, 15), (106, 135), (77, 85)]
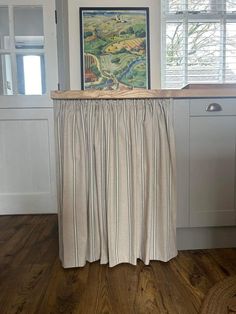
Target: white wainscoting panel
[(27, 161)]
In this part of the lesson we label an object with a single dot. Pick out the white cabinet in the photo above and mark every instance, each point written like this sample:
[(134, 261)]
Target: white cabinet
[(206, 159), (181, 125)]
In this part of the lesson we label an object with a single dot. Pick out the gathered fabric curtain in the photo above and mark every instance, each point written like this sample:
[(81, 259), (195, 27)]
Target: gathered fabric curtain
[(116, 181)]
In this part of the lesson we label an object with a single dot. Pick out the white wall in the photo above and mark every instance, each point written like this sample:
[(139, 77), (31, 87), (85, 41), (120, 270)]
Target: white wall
[(63, 44), (74, 35)]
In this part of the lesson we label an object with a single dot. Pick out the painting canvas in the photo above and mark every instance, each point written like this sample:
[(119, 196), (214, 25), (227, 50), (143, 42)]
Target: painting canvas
[(115, 48)]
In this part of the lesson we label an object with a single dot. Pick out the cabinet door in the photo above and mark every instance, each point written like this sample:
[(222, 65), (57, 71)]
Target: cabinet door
[(212, 170)]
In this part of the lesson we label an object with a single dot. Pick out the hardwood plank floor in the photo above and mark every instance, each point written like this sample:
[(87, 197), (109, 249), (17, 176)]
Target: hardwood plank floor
[(33, 281)]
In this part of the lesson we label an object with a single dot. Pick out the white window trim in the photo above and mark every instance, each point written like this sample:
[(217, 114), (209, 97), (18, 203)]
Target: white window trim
[(219, 15)]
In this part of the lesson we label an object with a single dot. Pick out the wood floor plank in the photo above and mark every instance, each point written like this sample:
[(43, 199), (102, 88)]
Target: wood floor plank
[(147, 298), (13, 250), (123, 282), (174, 295), (29, 240), (98, 297), (65, 289), (205, 262), (24, 289), (33, 281), (225, 259), (192, 274)]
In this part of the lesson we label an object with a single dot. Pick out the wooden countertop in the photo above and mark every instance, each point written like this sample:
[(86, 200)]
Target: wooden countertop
[(212, 92)]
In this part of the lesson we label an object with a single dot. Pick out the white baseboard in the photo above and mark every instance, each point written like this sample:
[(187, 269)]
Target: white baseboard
[(206, 238)]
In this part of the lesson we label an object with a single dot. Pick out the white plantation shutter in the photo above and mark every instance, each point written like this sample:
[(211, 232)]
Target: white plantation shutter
[(198, 42)]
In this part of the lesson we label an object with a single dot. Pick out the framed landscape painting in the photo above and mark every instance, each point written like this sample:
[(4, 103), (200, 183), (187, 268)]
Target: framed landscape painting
[(115, 48)]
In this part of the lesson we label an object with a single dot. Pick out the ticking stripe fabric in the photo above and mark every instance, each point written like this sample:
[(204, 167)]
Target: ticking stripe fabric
[(116, 181)]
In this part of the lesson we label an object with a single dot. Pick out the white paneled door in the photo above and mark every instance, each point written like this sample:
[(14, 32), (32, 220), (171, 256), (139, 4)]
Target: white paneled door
[(28, 72)]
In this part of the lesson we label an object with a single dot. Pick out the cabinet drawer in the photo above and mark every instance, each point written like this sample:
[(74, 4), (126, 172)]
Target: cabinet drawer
[(198, 107)]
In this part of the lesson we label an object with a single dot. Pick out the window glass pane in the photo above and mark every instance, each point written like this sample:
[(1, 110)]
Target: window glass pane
[(175, 5), (231, 5), (230, 74), (31, 74), (207, 50), (28, 22), (203, 5), (5, 75), (204, 52), (4, 28), (174, 54)]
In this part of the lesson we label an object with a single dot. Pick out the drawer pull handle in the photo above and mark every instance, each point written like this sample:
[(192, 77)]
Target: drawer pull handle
[(213, 107)]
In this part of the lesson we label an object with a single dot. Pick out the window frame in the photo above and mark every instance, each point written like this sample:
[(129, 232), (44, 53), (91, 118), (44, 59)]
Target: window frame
[(220, 15), (14, 52)]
